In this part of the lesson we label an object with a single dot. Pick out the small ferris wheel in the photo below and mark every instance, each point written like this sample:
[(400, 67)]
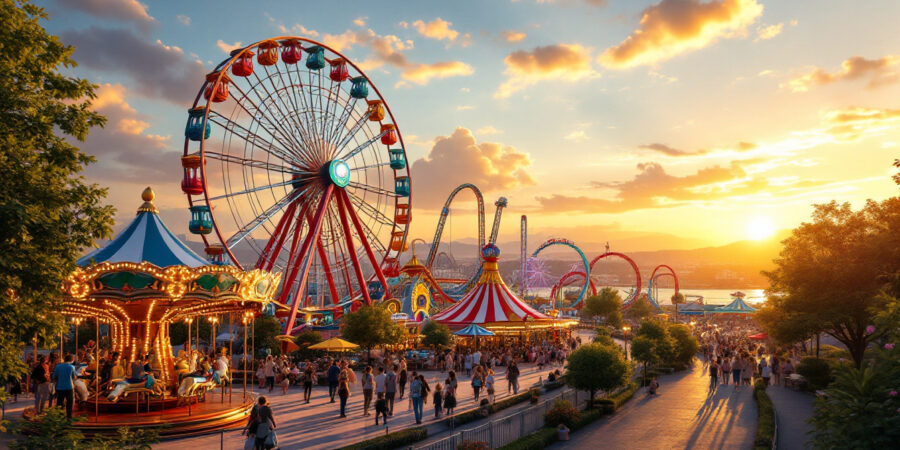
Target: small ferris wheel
[(293, 162)]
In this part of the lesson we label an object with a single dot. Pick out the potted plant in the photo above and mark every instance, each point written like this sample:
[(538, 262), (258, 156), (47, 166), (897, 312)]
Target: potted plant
[(535, 396)]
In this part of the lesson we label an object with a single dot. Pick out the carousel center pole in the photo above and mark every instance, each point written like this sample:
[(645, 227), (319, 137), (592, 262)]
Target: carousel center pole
[(244, 321), (96, 369), (230, 359)]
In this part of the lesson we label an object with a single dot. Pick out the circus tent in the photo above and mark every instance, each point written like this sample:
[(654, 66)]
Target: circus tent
[(738, 306), (492, 304)]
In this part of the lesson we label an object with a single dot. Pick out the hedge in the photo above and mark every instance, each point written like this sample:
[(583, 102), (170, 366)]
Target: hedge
[(391, 440), (540, 439), (765, 424)]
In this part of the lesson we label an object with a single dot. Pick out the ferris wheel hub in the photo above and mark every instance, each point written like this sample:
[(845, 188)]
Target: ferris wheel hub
[(339, 172)]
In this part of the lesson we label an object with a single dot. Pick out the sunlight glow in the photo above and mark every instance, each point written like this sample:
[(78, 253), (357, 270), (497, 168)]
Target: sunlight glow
[(760, 228)]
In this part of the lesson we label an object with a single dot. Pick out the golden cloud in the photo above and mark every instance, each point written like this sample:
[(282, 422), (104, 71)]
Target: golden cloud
[(764, 33), (879, 71), (671, 27), (458, 159), (565, 62), (226, 47), (854, 123), (438, 29), (512, 36)]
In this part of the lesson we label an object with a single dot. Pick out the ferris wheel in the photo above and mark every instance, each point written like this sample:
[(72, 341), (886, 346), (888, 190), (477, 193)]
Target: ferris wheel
[(293, 162)]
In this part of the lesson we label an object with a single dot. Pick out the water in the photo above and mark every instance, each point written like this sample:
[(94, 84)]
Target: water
[(710, 296)]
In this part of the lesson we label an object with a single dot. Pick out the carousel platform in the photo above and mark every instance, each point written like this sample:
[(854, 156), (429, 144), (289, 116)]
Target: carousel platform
[(166, 415)]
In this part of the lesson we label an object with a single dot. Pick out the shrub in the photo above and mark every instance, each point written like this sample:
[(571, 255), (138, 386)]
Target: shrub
[(391, 440), (473, 445), (817, 372), (562, 412), (765, 424), (534, 441)]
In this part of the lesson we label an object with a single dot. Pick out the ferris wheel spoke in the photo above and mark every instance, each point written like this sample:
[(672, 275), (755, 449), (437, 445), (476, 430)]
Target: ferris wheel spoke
[(249, 162), (330, 108), (260, 219), (353, 130), (372, 166), (342, 121), (273, 99), (363, 146), (257, 114), (252, 138), (370, 210), (251, 190)]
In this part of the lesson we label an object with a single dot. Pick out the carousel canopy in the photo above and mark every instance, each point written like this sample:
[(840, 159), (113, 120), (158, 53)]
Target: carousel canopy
[(491, 301), (474, 330), (146, 239), (736, 307)]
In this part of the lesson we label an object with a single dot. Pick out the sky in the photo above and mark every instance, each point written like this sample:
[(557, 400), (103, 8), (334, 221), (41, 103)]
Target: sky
[(664, 124)]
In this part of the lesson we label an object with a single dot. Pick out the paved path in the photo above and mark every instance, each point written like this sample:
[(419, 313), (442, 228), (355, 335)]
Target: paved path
[(794, 409), (317, 425), (683, 415)]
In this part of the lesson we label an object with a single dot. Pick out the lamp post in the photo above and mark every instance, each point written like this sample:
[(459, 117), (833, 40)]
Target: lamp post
[(212, 333), (625, 330)]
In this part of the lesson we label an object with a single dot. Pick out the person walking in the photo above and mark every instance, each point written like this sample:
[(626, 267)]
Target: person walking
[(381, 407), (713, 375), (489, 385), (40, 376), (270, 373), (512, 376), (390, 388), (333, 375), (64, 377), (309, 374), (402, 377), (766, 373), (468, 364), (438, 399), (726, 370), (368, 384), (265, 424), (477, 383), (415, 393), (736, 370), (343, 392)]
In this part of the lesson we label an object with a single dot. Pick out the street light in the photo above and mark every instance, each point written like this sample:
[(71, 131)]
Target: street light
[(625, 330)]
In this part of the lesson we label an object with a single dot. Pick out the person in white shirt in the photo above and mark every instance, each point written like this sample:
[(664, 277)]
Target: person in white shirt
[(476, 358), (379, 381), (468, 364)]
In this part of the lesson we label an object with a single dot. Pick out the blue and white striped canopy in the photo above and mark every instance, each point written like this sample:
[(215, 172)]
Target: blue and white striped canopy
[(474, 330), (146, 239)]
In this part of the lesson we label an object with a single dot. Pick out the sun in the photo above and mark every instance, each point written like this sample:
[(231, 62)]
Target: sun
[(760, 228)]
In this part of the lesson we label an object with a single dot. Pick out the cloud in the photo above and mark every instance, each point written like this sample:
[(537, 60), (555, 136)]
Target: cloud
[(123, 150), (125, 10), (157, 70), (880, 72), (671, 27), (458, 159), (360, 21), (183, 19), (299, 29), (851, 124), (564, 62), (675, 152), (488, 130), (389, 50), (577, 136), (438, 29), (226, 47), (512, 36), (764, 33), (464, 107)]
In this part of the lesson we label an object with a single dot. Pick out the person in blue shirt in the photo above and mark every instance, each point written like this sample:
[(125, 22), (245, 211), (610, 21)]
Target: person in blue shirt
[(334, 373), (64, 376)]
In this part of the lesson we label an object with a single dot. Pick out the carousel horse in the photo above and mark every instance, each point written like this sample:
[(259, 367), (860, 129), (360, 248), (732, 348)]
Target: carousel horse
[(128, 385), (182, 365)]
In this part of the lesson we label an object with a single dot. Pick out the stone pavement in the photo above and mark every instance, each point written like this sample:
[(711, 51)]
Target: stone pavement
[(682, 415), (317, 425), (794, 409)]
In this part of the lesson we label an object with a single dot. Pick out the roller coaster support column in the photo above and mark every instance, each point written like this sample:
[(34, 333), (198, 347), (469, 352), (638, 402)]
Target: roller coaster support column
[(495, 229), (523, 274)]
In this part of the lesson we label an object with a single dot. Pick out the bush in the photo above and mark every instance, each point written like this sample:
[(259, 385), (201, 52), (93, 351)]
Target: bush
[(562, 412), (473, 445), (588, 417), (817, 372), (765, 424), (391, 440), (534, 441), (510, 401)]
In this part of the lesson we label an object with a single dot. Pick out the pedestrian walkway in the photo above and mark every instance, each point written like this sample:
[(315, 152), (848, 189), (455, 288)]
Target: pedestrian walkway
[(794, 409), (683, 415), (317, 425)]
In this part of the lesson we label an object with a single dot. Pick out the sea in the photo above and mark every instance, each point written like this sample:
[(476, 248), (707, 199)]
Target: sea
[(710, 296)]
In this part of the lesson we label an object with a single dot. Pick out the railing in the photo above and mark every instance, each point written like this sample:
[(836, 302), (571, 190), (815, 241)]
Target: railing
[(501, 431)]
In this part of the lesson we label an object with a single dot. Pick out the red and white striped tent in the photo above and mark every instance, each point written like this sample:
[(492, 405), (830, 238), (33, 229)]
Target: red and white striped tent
[(492, 303)]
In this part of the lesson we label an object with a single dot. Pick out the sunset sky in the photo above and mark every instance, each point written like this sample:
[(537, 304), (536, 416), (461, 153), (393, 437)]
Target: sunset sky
[(689, 122)]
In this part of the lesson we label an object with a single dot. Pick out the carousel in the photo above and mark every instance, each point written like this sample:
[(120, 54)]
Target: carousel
[(492, 306), (134, 288)]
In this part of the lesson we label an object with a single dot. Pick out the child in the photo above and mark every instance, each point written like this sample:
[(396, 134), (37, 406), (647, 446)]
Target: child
[(654, 386), (438, 401), (449, 400), (285, 382), (381, 408)]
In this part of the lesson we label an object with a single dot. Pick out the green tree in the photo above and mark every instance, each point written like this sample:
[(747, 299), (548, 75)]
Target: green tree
[(370, 327), (597, 367), (686, 344), (677, 299), (436, 335), (640, 308), (266, 330), (653, 329), (643, 350), (831, 272), (178, 331), (603, 337), (607, 304), (303, 340), (53, 430), (48, 213)]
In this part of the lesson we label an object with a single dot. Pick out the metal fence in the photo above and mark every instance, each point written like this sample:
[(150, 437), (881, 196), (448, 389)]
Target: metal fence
[(502, 431)]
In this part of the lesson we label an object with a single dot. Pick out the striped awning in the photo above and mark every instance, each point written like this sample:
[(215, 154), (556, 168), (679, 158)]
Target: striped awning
[(146, 239), (490, 301)]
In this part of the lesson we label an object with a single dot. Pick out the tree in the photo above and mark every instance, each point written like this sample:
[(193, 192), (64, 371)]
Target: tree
[(266, 330), (640, 308), (53, 430), (48, 213), (653, 329), (435, 335), (178, 331), (607, 304), (304, 339), (643, 350), (371, 326), (677, 299), (686, 344), (594, 367), (604, 338), (832, 271)]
